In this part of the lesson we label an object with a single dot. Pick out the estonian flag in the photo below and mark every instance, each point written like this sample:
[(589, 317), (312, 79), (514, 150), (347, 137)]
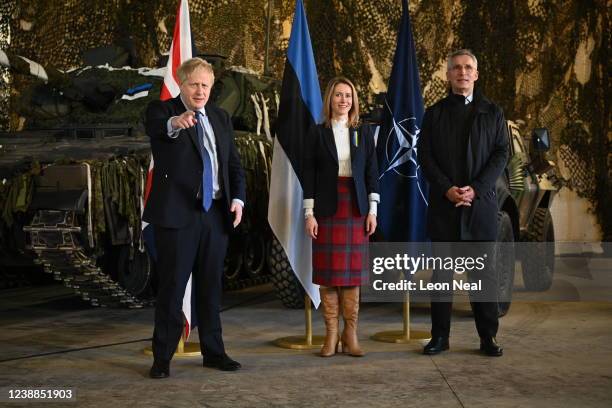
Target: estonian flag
[(300, 105), (137, 92), (403, 188)]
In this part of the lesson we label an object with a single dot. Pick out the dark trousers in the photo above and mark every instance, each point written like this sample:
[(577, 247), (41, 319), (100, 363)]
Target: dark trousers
[(199, 249), (485, 312)]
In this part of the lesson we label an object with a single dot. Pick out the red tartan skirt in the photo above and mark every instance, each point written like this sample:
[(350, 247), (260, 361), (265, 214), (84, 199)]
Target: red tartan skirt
[(340, 252)]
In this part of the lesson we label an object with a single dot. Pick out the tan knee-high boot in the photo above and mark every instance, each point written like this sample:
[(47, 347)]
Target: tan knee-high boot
[(329, 300), (350, 311)]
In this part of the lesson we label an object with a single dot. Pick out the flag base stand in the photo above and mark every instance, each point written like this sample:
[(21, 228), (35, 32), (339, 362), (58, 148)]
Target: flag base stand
[(402, 336), (182, 349), (300, 342), (307, 341)]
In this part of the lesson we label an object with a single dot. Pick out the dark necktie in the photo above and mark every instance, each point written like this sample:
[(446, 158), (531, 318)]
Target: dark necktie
[(207, 179)]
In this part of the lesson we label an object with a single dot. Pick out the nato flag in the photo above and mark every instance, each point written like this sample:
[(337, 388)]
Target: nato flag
[(403, 189)]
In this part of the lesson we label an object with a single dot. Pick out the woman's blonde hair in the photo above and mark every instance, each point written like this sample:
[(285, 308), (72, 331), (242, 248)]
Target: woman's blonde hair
[(353, 115)]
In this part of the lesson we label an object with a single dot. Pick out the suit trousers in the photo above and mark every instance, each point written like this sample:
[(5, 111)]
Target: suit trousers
[(485, 311), (198, 248)]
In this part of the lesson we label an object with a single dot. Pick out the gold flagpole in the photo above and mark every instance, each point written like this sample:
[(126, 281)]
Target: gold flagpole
[(183, 349), (306, 342), (187, 349), (402, 336)]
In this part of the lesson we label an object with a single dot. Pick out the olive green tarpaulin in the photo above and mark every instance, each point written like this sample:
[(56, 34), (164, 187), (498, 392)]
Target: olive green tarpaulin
[(16, 194), (119, 181)]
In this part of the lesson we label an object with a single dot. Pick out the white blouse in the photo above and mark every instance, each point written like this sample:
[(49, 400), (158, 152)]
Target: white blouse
[(341, 137)]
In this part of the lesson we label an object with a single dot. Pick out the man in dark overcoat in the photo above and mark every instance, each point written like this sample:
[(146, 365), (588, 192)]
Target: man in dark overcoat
[(463, 149)]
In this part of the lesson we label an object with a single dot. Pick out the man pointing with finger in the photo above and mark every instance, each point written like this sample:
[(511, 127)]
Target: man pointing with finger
[(196, 199)]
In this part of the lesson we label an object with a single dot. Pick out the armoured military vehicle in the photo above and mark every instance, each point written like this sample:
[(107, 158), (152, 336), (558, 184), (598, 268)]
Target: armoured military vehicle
[(73, 177), (525, 193)]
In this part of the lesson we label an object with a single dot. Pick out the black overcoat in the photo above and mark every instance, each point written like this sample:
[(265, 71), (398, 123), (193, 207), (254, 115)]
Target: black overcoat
[(487, 155)]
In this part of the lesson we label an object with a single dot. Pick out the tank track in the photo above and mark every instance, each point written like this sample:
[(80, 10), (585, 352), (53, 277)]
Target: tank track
[(56, 238)]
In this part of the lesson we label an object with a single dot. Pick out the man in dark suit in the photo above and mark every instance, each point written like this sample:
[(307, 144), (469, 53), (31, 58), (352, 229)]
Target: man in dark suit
[(463, 149), (196, 199)]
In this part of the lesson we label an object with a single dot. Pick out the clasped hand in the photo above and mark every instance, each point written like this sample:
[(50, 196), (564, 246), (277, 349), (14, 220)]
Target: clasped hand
[(461, 196)]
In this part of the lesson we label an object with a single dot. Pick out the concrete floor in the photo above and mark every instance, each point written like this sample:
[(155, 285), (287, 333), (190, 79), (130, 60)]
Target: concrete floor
[(557, 354)]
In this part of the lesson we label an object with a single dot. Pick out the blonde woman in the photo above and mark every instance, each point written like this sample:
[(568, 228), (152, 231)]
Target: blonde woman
[(340, 203)]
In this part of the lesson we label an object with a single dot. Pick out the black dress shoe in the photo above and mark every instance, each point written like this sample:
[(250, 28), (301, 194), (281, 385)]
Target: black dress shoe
[(223, 363), (436, 345), (160, 370), (489, 346)]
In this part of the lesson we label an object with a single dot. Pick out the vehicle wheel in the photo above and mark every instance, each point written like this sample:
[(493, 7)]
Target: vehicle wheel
[(134, 272), (255, 255), (288, 288), (233, 259), (504, 263), (539, 261)]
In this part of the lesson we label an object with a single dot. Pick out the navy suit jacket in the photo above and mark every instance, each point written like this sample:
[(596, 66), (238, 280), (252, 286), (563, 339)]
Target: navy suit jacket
[(177, 176), (321, 168)]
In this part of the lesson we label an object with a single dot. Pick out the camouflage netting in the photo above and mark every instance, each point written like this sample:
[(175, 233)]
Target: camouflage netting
[(5, 79), (46, 110), (544, 61)]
